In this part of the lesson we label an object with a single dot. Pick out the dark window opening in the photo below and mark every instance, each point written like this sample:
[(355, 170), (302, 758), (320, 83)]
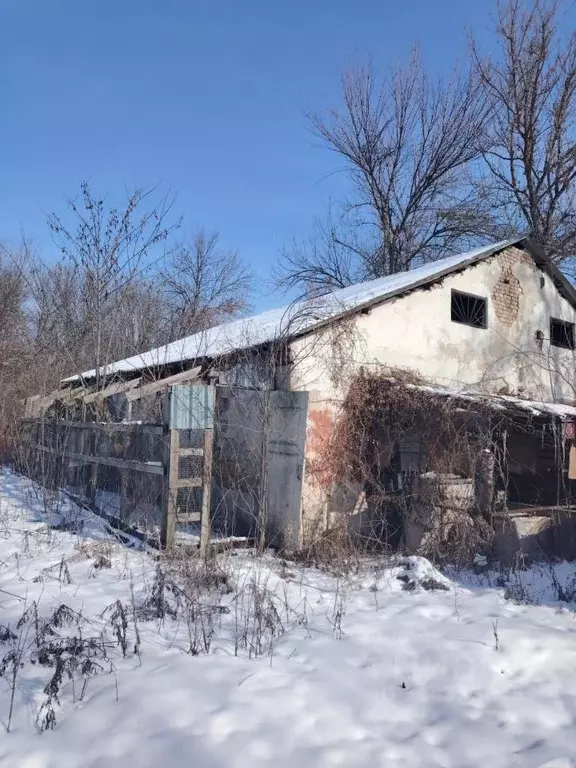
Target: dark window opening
[(467, 309), (561, 333)]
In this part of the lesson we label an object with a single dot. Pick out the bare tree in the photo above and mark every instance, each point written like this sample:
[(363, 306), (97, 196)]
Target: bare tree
[(204, 284), (16, 358), (143, 318), (406, 143), (136, 317), (108, 248), (124, 287), (530, 153), (13, 325), (60, 324)]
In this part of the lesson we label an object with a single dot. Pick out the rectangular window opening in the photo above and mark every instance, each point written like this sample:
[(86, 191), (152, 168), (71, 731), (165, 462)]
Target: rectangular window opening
[(468, 309), (561, 333)]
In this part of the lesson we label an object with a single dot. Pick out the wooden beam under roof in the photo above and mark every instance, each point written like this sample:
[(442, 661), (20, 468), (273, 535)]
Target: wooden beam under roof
[(157, 386), (113, 389)]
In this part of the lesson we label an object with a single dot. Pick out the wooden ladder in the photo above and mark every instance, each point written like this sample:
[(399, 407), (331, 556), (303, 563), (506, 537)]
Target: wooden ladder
[(203, 480)]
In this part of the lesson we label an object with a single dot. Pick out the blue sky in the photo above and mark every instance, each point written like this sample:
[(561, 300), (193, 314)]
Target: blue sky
[(204, 97)]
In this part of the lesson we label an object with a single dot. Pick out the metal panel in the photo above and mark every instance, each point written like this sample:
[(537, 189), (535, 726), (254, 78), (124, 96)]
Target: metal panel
[(238, 443), (191, 406), (258, 464), (285, 443)]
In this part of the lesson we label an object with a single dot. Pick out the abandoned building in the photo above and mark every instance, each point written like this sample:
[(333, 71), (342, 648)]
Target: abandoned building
[(238, 429)]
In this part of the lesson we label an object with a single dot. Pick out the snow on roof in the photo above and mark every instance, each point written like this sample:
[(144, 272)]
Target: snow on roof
[(538, 408), (502, 402), (294, 319)]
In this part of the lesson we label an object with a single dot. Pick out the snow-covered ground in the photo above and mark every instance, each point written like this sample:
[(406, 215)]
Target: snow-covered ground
[(393, 665)]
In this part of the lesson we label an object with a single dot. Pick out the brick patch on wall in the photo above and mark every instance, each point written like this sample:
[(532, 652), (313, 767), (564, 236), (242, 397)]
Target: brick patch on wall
[(507, 291)]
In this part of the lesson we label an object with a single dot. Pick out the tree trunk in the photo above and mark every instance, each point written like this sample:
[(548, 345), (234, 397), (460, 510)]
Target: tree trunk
[(484, 485)]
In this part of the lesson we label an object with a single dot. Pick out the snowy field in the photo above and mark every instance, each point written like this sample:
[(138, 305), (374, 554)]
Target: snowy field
[(110, 661)]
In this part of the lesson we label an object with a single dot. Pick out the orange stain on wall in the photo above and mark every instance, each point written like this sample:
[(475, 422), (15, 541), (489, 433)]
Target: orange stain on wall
[(321, 426)]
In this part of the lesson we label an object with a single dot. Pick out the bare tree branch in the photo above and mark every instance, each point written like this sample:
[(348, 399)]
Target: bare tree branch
[(204, 284), (109, 247), (529, 145), (406, 143)]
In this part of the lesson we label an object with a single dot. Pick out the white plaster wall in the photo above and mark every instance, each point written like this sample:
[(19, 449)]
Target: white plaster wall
[(415, 332)]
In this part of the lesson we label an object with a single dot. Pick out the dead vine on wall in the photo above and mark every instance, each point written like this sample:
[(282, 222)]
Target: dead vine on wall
[(381, 414)]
